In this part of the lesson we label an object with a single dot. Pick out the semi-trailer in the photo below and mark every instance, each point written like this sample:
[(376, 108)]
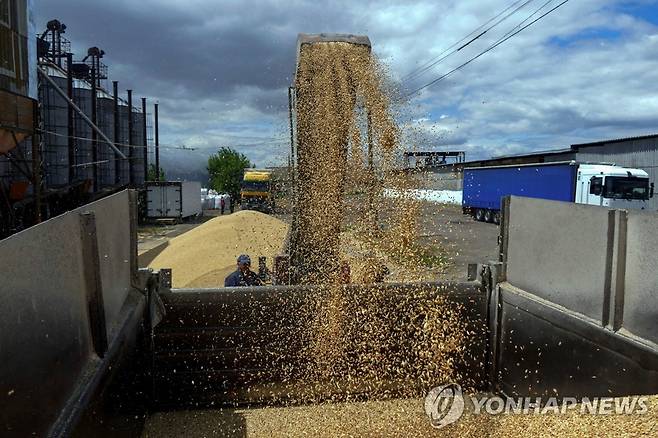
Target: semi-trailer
[(605, 185)]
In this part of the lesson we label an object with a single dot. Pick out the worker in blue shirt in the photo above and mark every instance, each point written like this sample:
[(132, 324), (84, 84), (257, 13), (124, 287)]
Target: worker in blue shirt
[(243, 276)]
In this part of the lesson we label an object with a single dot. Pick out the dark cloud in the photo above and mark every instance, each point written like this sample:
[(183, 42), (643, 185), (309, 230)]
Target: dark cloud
[(220, 69), (205, 50)]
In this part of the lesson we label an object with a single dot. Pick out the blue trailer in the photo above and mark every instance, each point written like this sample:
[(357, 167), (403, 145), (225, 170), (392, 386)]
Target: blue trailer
[(594, 184)]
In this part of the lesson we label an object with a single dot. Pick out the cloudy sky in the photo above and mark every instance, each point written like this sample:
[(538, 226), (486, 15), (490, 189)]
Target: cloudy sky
[(220, 69)]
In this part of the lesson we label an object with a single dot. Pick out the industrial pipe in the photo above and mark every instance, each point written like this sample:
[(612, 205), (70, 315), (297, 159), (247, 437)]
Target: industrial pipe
[(144, 139), (117, 163), (94, 137), (69, 118), (157, 146), (131, 164)]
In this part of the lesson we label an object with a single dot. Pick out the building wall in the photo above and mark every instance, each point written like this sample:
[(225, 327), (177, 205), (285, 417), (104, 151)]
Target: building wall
[(567, 156), (14, 70), (641, 154)]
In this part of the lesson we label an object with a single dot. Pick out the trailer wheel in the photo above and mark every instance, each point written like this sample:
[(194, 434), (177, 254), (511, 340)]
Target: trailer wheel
[(479, 214), (496, 218), (488, 216)]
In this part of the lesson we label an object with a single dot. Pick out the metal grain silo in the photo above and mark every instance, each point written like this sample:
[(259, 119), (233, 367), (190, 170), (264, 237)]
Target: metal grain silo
[(83, 150), (54, 114), (106, 156)]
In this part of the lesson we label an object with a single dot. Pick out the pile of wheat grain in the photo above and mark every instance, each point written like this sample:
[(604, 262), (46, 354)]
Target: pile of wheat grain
[(204, 256)]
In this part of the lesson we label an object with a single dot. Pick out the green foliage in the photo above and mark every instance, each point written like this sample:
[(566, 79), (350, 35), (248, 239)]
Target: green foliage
[(151, 173), (225, 170)]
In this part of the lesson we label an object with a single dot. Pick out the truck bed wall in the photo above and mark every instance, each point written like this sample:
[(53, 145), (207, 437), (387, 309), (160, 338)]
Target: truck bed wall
[(68, 284), (485, 187), (255, 345), (570, 311), (577, 313)]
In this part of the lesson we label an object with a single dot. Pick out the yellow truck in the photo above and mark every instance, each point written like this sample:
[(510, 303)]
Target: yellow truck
[(257, 192)]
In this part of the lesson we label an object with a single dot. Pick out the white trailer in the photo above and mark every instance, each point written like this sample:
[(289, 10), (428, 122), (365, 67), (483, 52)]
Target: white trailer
[(173, 199)]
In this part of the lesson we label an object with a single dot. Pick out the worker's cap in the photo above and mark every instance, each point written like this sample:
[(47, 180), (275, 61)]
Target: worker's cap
[(244, 260)]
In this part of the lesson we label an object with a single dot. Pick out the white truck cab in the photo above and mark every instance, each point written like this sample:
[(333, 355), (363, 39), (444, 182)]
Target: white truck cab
[(613, 186)]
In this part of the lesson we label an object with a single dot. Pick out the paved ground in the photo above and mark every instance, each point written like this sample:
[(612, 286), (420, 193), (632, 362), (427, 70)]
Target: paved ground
[(457, 237), (460, 236)]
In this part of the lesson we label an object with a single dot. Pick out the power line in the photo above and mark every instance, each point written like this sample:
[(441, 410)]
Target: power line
[(255, 137), (412, 73), (431, 63), (94, 163), (137, 146), (490, 48), (527, 18), (262, 140)]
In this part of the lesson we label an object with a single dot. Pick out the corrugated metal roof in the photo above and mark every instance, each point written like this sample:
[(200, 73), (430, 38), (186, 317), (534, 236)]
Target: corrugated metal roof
[(616, 140), (531, 154)]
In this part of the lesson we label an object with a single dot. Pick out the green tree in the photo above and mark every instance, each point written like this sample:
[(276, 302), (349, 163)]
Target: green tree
[(225, 170), (151, 174)]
